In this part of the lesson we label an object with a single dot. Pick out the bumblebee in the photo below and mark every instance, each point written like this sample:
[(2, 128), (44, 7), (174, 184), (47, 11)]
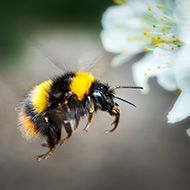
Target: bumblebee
[(53, 104)]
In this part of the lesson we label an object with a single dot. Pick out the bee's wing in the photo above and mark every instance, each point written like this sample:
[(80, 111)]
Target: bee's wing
[(48, 53), (95, 62)]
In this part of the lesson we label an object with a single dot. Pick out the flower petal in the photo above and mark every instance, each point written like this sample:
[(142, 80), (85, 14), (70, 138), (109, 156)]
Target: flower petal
[(188, 132), (121, 59), (113, 40), (166, 79), (182, 14), (182, 68), (165, 55), (122, 16), (181, 108), (140, 70)]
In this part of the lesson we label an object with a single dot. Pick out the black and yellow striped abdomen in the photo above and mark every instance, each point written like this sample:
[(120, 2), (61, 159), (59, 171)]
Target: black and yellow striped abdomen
[(46, 93)]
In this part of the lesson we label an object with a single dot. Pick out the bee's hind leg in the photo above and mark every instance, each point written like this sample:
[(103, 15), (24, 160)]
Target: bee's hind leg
[(52, 144), (69, 131), (46, 155)]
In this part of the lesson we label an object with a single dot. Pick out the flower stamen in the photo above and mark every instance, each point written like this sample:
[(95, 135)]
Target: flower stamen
[(159, 6)]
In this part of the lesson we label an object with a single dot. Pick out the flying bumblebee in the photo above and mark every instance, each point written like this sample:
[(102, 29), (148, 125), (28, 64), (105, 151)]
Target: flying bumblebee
[(53, 104)]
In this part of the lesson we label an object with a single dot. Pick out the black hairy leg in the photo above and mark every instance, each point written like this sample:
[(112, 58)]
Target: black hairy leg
[(90, 114), (52, 143), (69, 131), (76, 124)]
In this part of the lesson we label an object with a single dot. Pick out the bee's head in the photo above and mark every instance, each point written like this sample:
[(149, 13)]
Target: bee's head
[(104, 96)]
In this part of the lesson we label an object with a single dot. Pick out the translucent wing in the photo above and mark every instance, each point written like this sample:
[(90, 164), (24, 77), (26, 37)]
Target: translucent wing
[(95, 62), (55, 60)]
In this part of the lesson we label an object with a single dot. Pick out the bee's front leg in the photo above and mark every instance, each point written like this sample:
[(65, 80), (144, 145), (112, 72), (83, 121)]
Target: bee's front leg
[(114, 112), (91, 113)]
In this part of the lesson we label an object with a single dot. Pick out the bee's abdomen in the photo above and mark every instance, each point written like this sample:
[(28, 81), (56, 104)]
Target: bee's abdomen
[(26, 126)]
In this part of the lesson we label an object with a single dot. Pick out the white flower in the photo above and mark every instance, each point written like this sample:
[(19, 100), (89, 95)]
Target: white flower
[(171, 60), (124, 28), (162, 29), (181, 108)]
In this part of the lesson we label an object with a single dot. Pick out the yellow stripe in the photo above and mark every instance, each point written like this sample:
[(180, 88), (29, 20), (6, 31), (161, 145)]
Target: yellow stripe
[(39, 98), (81, 84)]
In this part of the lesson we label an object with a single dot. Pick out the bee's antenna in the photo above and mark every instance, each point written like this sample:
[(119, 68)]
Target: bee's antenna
[(132, 87), (126, 101)]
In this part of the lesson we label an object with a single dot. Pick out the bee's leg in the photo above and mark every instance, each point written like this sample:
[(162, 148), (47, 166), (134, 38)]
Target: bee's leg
[(114, 112), (76, 124), (46, 155), (45, 145), (57, 140), (69, 131), (52, 143), (58, 136), (91, 113), (90, 117)]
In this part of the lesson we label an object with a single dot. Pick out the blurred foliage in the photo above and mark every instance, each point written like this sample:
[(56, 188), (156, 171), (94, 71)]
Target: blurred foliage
[(20, 16)]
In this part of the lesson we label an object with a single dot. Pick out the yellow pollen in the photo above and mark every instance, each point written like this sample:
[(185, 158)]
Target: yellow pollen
[(168, 63), (145, 33), (161, 19), (145, 74), (160, 54), (173, 36), (159, 38), (153, 40), (146, 48), (154, 25), (162, 46), (159, 6), (156, 45), (149, 8), (164, 34), (163, 29), (149, 69), (152, 15), (158, 67)]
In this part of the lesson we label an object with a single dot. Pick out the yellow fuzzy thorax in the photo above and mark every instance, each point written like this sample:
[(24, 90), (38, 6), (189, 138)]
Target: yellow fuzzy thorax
[(81, 84), (40, 96)]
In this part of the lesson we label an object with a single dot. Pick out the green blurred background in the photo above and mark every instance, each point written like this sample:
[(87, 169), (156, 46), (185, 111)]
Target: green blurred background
[(20, 18), (144, 153)]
